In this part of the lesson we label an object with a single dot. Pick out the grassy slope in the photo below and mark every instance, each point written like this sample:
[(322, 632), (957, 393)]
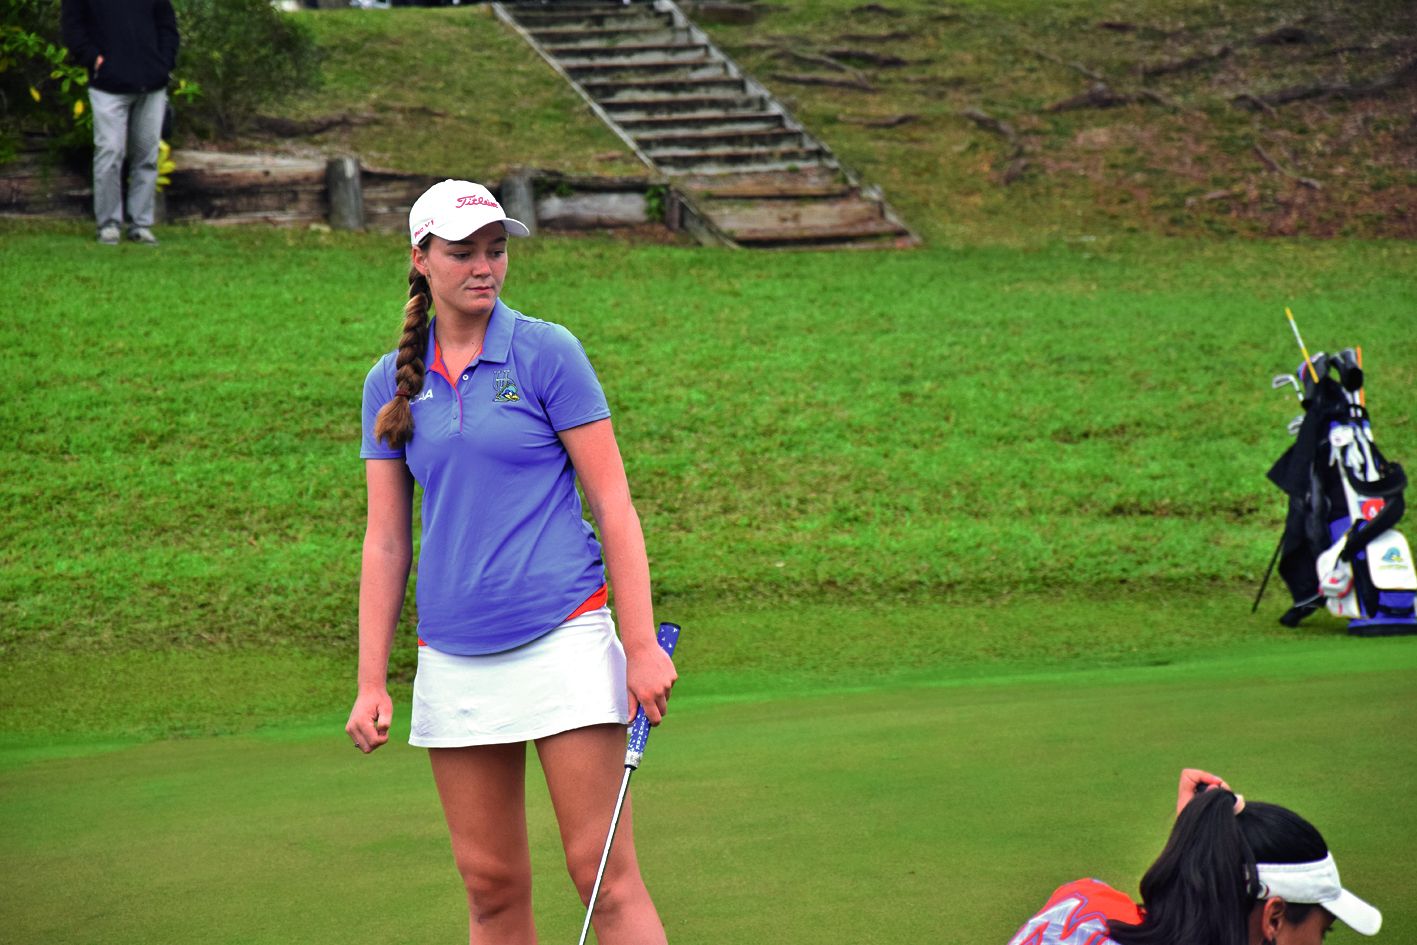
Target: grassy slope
[(942, 814), (474, 104), (1188, 166)]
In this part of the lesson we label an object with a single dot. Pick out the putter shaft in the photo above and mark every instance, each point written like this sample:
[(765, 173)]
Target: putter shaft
[(605, 855)]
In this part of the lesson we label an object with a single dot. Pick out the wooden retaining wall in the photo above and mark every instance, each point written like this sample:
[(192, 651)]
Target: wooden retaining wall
[(227, 189)]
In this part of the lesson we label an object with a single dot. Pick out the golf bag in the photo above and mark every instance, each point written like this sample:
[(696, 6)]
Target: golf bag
[(1340, 548)]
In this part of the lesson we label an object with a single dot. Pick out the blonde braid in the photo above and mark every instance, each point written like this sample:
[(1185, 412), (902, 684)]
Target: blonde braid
[(394, 424)]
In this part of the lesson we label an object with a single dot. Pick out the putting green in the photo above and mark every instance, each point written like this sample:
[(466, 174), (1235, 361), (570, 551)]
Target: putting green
[(924, 813)]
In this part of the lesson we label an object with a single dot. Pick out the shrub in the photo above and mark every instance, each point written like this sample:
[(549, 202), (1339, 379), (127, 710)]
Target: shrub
[(242, 54), (41, 91)]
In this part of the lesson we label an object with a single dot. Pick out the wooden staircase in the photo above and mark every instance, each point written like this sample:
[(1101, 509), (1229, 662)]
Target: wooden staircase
[(747, 173)]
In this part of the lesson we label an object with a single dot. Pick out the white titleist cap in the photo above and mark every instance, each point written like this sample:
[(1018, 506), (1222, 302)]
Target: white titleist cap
[(455, 209), (1317, 882)]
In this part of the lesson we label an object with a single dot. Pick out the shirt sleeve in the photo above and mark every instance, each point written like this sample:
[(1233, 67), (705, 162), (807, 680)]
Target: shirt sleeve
[(570, 391), (75, 31), (168, 39), (378, 390)]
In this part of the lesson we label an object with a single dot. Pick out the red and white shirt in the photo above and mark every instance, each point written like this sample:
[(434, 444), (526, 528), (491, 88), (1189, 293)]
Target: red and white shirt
[(1077, 914)]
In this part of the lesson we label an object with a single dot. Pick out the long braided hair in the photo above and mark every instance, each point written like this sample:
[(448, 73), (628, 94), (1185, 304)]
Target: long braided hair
[(394, 424)]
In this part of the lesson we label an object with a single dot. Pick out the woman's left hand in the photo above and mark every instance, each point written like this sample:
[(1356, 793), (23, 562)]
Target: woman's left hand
[(649, 675)]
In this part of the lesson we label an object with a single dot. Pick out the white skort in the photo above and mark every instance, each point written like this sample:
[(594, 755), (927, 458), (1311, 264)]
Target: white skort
[(569, 678)]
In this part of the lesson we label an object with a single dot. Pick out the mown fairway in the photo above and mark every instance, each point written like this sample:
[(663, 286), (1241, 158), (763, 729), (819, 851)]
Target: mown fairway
[(927, 814), (963, 541)]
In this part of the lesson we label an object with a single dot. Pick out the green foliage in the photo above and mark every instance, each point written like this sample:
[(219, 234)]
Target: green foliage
[(656, 198), (243, 55), (41, 92)]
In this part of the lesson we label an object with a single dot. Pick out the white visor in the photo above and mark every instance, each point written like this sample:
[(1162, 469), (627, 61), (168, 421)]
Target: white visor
[(1317, 883), (455, 209)]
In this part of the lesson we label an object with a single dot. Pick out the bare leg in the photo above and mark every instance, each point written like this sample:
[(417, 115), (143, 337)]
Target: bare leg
[(484, 801), (583, 772)]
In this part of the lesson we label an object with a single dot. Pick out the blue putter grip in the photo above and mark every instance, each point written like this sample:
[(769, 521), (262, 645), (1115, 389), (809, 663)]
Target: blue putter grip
[(639, 729)]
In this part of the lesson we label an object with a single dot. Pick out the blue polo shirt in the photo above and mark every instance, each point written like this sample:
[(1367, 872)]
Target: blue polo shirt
[(506, 554)]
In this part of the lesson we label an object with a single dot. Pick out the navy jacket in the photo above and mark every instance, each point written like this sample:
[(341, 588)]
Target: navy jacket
[(136, 38)]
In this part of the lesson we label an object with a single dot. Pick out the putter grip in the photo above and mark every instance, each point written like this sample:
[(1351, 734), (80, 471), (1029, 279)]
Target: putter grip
[(639, 728)]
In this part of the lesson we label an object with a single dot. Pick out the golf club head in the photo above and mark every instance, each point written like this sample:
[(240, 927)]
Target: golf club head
[(1285, 380), (1295, 424)]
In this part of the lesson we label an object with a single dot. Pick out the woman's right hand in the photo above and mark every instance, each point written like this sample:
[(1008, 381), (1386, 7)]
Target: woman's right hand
[(368, 724), (1195, 782)]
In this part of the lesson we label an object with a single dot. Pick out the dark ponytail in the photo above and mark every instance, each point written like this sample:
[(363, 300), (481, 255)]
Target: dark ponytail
[(1203, 887), (394, 424)]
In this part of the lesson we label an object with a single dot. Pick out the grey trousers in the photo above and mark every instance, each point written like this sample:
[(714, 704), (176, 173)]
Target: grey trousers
[(125, 125)]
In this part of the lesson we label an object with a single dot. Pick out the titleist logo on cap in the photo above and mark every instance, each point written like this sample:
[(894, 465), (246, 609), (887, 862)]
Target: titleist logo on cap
[(477, 200)]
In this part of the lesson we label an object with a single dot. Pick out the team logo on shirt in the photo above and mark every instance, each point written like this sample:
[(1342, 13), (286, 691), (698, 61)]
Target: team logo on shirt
[(504, 388)]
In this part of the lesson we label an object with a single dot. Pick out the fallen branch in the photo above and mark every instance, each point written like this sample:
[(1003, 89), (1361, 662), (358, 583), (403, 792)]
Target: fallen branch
[(1181, 65), (888, 121), (1015, 170), (1275, 166), (1018, 162), (1404, 76), (812, 59), (874, 37), (989, 123), (1075, 66), (1215, 195), (1100, 95), (867, 58), (876, 8), (839, 82), (1253, 102)]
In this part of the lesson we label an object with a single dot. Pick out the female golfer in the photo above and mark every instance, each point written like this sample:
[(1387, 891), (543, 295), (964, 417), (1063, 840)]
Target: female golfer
[(1232, 873), (496, 415)]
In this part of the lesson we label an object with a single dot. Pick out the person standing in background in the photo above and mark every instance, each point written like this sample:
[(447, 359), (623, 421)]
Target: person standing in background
[(129, 48)]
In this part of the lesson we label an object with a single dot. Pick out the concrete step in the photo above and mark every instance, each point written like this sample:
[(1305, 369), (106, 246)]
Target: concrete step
[(749, 174), (869, 235), (747, 215), (676, 70), (609, 17), (608, 37), (567, 54), (654, 143), (631, 108), (808, 183), (700, 121), (578, 6), (610, 90), (728, 160)]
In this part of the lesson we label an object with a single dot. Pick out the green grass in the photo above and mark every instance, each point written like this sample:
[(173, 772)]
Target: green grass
[(1185, 166), (904, 814), (954, 426), (482, 102), (963, 539), (448, 92)]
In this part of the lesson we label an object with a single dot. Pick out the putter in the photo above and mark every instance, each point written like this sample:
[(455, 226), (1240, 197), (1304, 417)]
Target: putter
[(634, 754)]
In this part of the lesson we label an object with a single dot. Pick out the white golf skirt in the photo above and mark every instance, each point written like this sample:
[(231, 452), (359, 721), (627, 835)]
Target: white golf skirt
[(569, 678)]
